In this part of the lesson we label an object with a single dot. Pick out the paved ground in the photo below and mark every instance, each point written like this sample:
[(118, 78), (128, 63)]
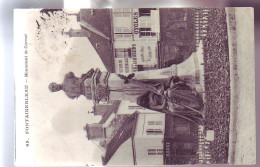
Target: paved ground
[(242, 141)]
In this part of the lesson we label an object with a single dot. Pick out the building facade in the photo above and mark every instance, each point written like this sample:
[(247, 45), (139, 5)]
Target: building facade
[(177, 35), (136, 34), (148, 139), (180, 141), (153, 139), (138, 39)]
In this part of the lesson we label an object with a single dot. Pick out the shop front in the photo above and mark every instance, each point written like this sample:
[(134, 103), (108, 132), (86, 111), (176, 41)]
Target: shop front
[(132, 56), (180, 142), (136, 35)]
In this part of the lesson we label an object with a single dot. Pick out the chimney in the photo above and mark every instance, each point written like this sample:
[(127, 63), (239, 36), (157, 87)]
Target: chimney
[(95, 131), (77, 33)]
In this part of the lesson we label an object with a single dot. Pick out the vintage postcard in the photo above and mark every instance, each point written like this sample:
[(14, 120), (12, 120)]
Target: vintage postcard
[(134, 86)]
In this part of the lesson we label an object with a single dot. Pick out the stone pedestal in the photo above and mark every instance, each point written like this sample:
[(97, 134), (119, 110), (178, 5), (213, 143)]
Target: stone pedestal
[(109, 86)]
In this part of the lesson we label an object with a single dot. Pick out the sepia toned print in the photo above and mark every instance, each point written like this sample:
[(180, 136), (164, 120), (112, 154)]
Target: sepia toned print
[(140, 86)]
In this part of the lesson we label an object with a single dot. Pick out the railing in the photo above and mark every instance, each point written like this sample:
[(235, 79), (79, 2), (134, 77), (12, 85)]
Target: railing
[(201, 22), (203, 151)]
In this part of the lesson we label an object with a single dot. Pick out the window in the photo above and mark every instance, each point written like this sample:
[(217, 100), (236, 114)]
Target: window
[(122, 30), (122, 23), (154, 122), (188, 146), (146, 32), (155, 151), (145, 29), (145, 11), (154, 131), (122, 14), (121, 10), (123, 37), (123, 53)]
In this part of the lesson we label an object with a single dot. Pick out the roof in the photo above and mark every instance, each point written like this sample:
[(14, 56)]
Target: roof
[(98, 18), (124, 133), (99, 23), (109, 109)]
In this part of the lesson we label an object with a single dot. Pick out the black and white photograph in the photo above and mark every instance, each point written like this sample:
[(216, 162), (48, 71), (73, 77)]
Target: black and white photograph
[(134, 86)]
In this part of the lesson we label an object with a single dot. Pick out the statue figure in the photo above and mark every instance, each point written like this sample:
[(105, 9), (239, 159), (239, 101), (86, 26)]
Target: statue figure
[(71, 85), (176, 96), (147, 88)]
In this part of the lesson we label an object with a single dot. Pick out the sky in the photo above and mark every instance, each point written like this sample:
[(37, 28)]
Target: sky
[(56, 121)]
